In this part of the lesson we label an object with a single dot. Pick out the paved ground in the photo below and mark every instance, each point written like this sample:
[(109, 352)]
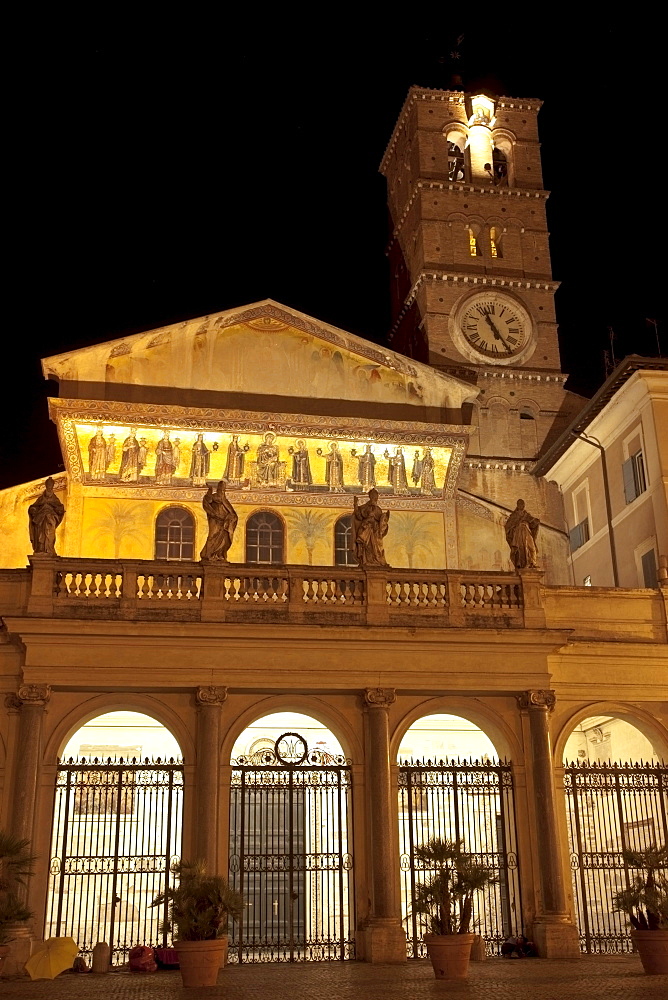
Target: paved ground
[(594, 977)]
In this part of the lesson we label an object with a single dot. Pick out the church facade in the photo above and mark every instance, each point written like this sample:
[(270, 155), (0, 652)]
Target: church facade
[(301, 420)]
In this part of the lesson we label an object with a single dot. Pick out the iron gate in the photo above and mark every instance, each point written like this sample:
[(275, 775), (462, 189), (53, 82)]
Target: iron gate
[(610, 807), (473, 802), (116, 830), (290, 822)]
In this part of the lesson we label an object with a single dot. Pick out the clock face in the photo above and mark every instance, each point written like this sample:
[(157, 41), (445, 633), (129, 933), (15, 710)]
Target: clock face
[(495, 327)]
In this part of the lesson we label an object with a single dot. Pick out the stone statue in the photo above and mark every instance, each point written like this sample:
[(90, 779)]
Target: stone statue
[(222, 519), (370, 525), (98, 458), (130, 469), (396, 470), (366, 467), (199, 462), (45, 514), (521, 532), (301, 466), (236, 457)]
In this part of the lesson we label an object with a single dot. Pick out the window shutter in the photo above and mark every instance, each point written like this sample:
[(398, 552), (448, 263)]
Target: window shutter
[(575, 537), (629, 480), (649, 569)]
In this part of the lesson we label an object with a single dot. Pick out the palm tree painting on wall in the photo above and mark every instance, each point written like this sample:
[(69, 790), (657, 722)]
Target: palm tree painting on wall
[(118, 523), (415, 538), (310, 528)]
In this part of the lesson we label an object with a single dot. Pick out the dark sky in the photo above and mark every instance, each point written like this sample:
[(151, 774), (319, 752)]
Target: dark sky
[(172, 169)]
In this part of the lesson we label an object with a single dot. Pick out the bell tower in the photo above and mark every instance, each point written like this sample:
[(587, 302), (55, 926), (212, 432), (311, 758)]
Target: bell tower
[(472, 287)]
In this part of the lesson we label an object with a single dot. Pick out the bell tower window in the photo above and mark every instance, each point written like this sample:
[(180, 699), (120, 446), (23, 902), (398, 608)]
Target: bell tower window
[(499, 166), (456, 167), (474, 249), (495, 247)]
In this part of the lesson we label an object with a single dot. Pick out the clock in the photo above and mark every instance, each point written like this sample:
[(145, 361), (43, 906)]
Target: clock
[(494, 328)]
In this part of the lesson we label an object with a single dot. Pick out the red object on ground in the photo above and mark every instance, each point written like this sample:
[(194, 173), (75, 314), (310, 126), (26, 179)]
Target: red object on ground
[(142, 959)]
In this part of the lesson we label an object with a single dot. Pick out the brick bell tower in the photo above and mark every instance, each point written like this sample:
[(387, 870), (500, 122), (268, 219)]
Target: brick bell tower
[(472, 287)]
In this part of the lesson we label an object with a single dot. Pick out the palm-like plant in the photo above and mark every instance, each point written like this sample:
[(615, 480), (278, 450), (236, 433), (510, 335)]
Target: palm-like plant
[(412, 533), (646, 899), (309, 527), (16, 867), (119, 522), (200, 904), (446, 897)]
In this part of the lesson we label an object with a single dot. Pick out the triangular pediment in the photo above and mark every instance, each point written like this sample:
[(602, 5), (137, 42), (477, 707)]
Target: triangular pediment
[(263, 349)]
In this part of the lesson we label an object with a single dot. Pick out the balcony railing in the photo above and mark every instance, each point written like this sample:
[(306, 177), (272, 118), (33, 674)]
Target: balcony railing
[(146, 590)]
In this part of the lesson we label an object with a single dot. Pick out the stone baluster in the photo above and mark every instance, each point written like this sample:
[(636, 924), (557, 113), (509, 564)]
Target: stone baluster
[(385, 940), (553, 932), (209, 704)]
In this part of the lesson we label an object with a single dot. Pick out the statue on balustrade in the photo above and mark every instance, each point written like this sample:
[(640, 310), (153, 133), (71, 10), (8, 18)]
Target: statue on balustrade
[(199, 462), (222, 519), (396, 470), (98, 459), (130, 467), (44, 515), (521, 533), (370, 525), (236, 458), (366, 467), (301, 467)]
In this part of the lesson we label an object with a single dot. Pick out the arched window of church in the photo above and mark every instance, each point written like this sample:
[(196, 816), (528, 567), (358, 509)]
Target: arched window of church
[(499, 166), (265, 538), (174, 534), (474, 247), (495, 235), (344, 551), (456, 164)]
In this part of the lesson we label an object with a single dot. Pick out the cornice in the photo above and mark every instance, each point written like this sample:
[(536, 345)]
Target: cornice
[(466, 189)]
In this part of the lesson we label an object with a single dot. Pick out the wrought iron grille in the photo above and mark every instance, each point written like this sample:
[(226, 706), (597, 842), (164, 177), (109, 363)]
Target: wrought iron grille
[(290, 825), (116, 830), (610, 807), (473, 802)]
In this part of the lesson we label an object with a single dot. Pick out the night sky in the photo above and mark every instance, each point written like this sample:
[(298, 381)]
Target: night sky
[(169, 170)]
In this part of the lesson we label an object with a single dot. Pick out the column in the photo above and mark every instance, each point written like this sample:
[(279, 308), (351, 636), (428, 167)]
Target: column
[(553, 932), (209, 703), (385, 940), (32, 700)]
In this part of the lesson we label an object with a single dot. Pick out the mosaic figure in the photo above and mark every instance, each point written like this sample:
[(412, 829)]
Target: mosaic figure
[(366, 467), (301, 466), (129, 470), (97, 456), (423, 471), (44, 515), (222, 519), (333, 467), (396, 470), (199, 462), (370, 525), (165, 465), (236, 458), (268, 460)]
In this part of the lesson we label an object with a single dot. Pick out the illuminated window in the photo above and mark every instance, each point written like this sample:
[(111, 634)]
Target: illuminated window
[(174, 534), (456, 169), (474, 249), (344, 552), (264, 538), (495, 242)]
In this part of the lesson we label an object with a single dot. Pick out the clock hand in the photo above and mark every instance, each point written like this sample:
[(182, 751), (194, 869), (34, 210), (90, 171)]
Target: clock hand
[(497, 335)]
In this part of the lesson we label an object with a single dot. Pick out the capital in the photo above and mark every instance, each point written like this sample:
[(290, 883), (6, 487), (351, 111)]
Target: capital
[(380, 697), (12, 702), (537, 699), (34, 694), (211, 695)]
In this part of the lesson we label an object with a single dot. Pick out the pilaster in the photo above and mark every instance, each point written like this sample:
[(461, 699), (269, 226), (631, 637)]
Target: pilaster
[(209, 701)]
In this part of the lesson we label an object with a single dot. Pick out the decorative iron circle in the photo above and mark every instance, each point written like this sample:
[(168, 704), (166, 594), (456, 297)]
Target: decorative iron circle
[(291, 749)]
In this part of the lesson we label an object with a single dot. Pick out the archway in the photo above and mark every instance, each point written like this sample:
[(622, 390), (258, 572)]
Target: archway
[(452, 786), (117, 826), (616, 786), (290, 800)]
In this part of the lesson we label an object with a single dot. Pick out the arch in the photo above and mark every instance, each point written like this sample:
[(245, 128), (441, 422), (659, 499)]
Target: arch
[(344, 551), (503, 157), (265, 537), (174, 534), (456, 136), (492, 725), (306, 705), (118, 702), (647, 724)]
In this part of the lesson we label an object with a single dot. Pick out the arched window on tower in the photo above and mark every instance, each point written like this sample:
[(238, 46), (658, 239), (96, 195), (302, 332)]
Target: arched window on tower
[(174, 534), (265, 538), (344, 551), (474, 246), (456, 163), (499, 166), (495, 238)]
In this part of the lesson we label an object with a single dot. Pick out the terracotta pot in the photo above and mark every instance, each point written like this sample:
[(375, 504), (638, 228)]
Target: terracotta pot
[(449, 954), (200, 961), (653, 950)]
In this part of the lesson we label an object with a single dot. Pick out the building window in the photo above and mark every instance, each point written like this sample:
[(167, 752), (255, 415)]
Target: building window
[(649, 574), (496, 249), (344, 552), (499, 166), (474, 249), (579, 534), (633, 471), (456, 170), (264, 538), (174, 534)]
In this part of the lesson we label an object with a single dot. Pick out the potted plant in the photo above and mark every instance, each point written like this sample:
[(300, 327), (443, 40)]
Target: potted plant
[(199, 907), (16, 866), (646, 903), (445, 899)]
